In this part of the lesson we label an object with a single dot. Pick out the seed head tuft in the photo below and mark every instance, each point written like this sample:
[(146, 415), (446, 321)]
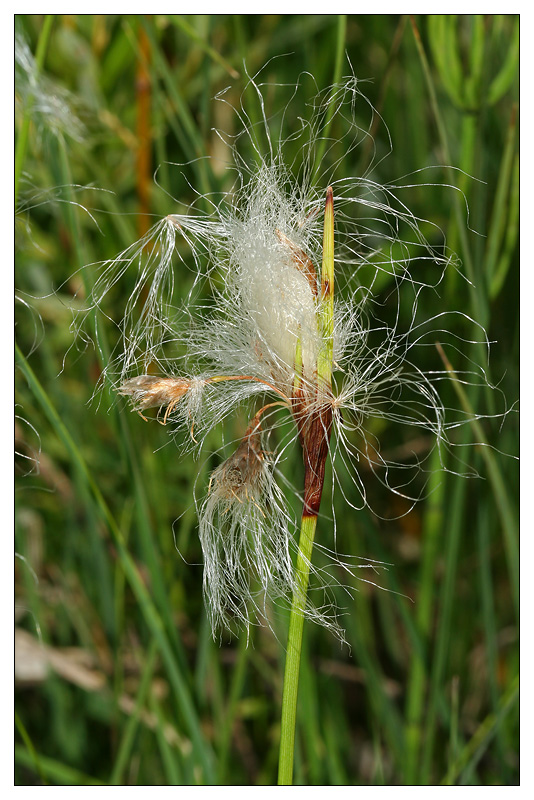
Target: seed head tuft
[(279, 332)]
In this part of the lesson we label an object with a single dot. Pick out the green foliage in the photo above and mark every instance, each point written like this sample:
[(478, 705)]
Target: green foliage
[(119, 679)]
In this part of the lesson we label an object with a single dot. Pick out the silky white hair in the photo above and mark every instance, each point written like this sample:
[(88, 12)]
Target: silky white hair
[(255, 249)]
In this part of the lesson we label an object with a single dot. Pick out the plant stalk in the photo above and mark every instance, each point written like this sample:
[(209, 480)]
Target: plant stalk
[(22, 141), (314, 433), (294, 646)]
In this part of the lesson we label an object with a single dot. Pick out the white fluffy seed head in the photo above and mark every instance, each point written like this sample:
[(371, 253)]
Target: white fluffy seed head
[(245, 540), (263, 243), (276, 295)]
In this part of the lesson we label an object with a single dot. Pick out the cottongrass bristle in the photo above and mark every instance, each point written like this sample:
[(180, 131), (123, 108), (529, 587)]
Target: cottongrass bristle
[(200, 360)]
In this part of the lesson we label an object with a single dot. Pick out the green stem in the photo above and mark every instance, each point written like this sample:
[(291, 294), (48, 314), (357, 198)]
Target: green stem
[(326, 306), (22, 141), (294, 647), (314, 433)]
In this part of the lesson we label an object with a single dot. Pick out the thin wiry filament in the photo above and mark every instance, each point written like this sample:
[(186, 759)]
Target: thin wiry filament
[(254, 341)]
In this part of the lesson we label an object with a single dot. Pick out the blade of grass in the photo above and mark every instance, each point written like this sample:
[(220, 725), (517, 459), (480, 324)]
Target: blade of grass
[(474, 81), (194, 147), (163, 100), (144, 138), (478, 744), (337, 774), (169, 755), (500, 215), (130, 458), (200, 746), (208, 679), (341, 33), (22, 141), (479, 307), (511, 233), (508, 72), (504, 508), (132, 724), (393, 53), (308, 716), (455, 712), (236, 691), (31, 751), (181, 23), (393, 727), (444, 45), (382, 706), (61, 774), (487, 602), (453, 528), (418, 674), (119, 616)]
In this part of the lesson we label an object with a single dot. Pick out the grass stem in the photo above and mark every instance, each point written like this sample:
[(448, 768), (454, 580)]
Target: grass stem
[(22, 141), (294, 647), (312, 463)]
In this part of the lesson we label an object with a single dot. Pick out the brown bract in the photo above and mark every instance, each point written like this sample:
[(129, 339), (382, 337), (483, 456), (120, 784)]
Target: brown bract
[(301, 260), (314, 424), (150, 391)]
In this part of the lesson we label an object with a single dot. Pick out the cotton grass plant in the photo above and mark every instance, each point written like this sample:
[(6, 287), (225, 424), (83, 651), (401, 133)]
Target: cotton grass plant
[(278, 339), (426, 690)]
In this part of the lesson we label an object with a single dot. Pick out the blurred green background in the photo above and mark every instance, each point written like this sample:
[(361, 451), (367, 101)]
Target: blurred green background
[(118, 678)]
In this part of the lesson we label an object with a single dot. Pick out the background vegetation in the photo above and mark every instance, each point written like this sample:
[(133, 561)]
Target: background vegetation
[(118, 679)]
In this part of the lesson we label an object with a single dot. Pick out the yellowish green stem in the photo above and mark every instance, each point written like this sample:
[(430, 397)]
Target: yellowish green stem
[(294, 646), (309, 521), (326, 306)]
